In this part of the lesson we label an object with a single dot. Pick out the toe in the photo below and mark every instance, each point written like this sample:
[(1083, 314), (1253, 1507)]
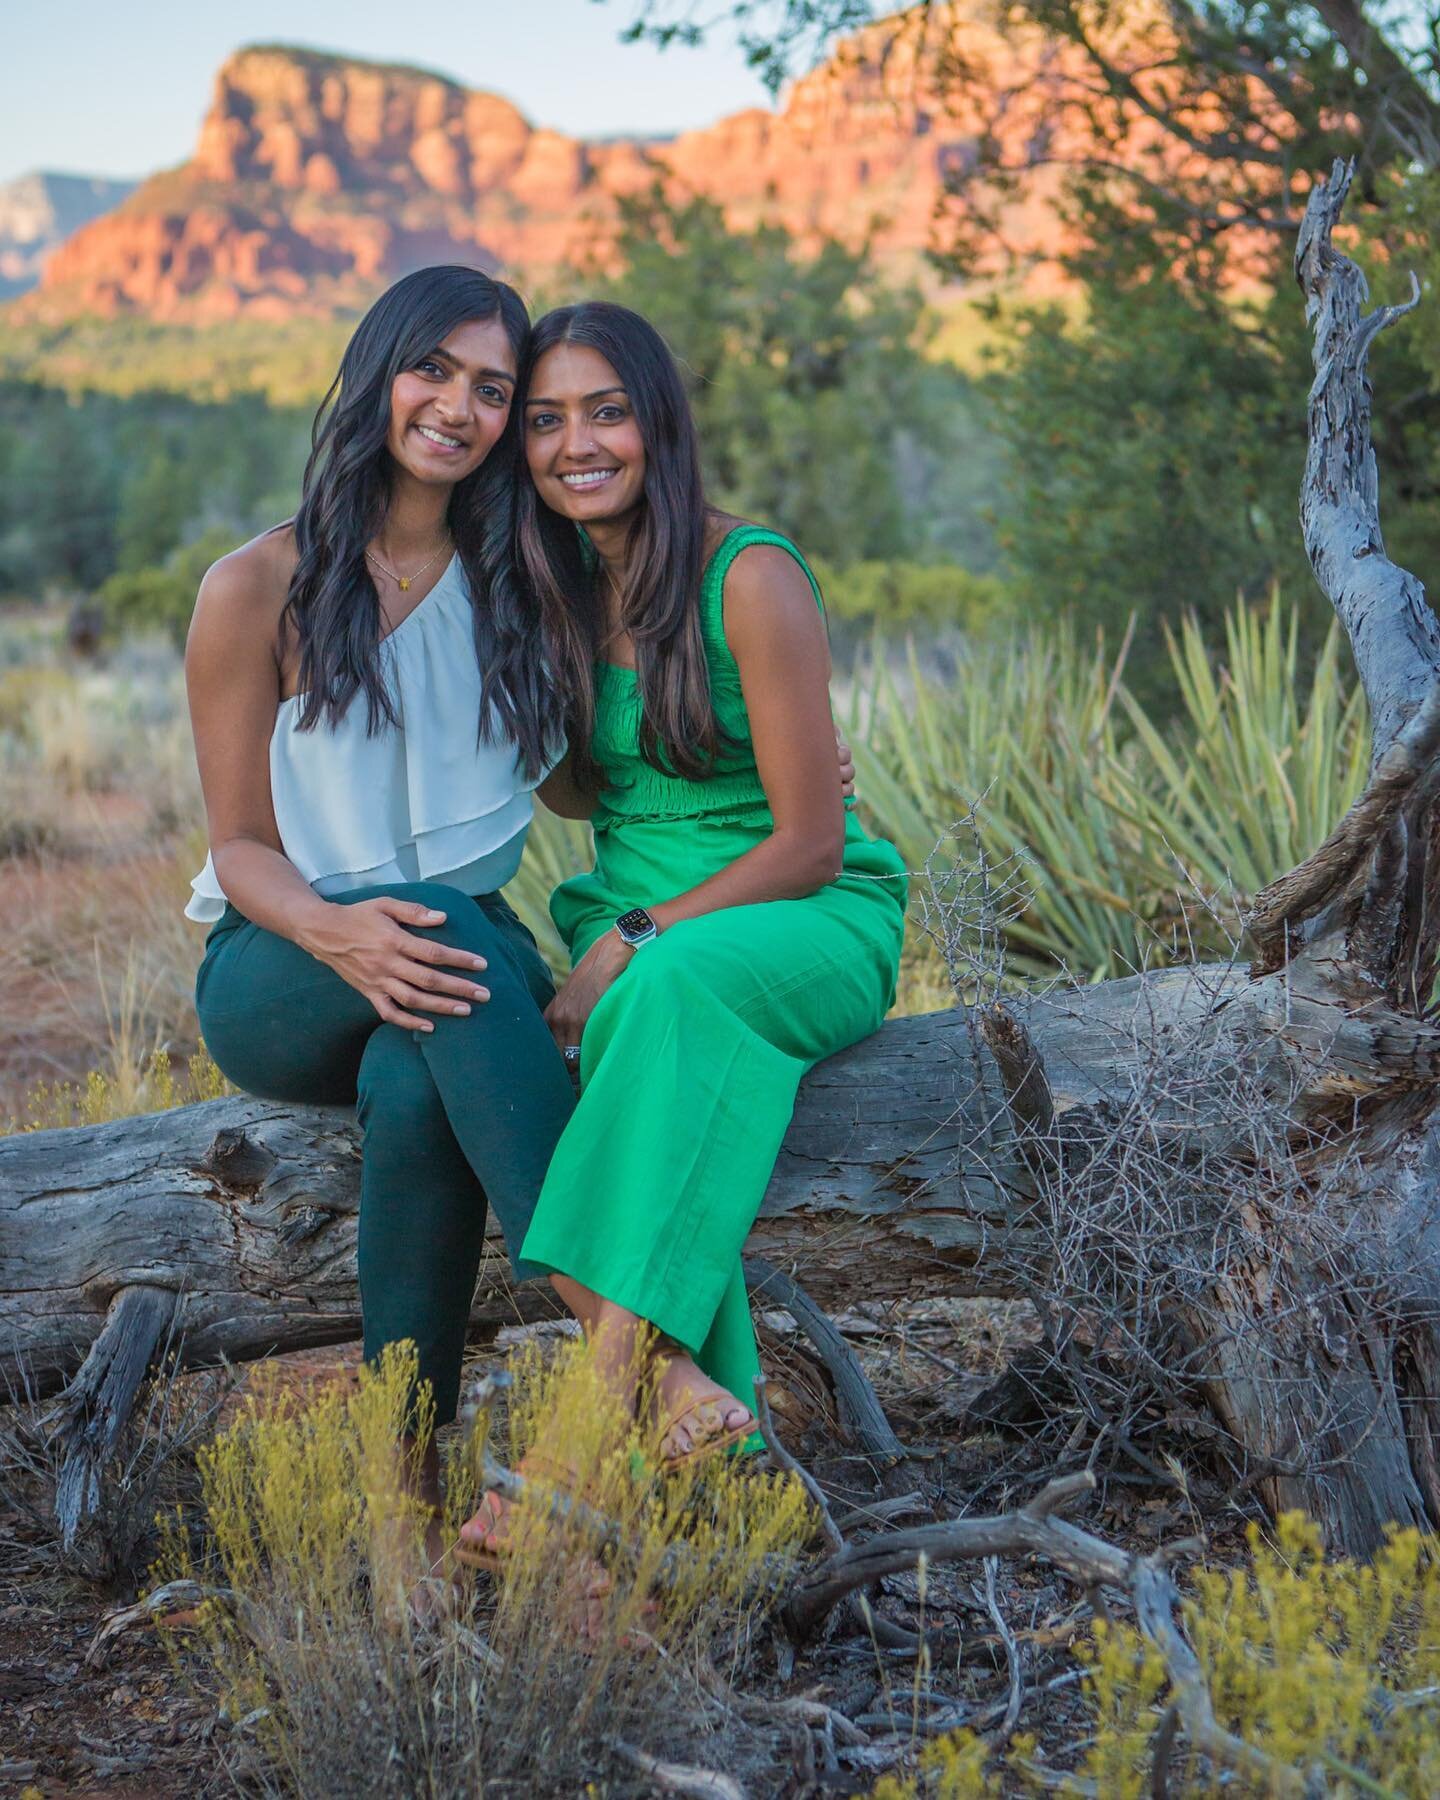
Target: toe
[(481, 1528)]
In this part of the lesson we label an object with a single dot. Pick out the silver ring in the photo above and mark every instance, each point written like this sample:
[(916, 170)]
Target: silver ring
[(571, 1053)]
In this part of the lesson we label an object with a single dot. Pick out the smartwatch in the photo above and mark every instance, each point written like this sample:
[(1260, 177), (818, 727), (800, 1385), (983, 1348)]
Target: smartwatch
[(636, 927)]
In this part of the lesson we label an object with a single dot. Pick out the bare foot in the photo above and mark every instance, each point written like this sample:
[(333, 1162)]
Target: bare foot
[(699, 1411), (587, 1583), (423, 1586)]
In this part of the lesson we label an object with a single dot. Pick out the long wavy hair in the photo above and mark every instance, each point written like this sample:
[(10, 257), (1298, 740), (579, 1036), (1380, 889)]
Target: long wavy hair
[(333, 603), (660, 604)]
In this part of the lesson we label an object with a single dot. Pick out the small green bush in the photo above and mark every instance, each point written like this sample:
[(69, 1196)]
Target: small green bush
[(909, 596), (161, 597)]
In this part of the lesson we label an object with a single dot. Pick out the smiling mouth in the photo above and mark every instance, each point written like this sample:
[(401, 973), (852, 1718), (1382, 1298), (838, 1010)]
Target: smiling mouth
[(588, 478), (440, 438)]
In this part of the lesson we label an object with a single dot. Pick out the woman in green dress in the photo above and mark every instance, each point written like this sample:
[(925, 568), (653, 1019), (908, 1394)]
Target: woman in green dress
[(738, 925)]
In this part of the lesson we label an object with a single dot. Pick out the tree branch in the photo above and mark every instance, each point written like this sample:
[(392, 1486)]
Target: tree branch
[(1392, 630), (1408, 112)]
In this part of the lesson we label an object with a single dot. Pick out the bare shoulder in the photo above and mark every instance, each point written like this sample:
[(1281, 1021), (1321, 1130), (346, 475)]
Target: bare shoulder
[(763, 583), (246, 591)]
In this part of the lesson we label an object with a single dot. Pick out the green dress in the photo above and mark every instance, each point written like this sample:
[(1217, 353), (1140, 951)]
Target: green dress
[(691, 1060)]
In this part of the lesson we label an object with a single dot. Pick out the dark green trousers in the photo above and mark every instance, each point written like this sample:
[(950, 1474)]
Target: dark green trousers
[(451, 1118)]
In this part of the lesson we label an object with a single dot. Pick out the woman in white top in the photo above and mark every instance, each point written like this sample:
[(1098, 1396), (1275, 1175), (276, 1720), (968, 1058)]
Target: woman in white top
[(372, 712)]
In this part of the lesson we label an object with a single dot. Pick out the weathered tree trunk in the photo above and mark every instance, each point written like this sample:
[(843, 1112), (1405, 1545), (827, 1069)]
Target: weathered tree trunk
[(1241, 1158)]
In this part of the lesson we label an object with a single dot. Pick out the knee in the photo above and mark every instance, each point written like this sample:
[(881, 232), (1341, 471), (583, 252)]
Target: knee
[(466, 924)]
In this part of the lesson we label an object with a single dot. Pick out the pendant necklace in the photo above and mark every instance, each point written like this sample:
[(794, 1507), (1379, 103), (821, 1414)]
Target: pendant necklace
[(404, 581)]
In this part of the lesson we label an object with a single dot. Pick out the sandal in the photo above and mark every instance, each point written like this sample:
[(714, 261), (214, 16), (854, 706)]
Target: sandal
[(690, 1409)]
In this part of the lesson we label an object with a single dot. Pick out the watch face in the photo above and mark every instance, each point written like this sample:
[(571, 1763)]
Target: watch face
[(635, 923)]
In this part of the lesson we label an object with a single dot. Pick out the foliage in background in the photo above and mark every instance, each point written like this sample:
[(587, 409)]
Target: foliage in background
[(94, 484), (1156, 449), (288, 363), (126, 1090), (912, 597), (819, 410), (161, 597)]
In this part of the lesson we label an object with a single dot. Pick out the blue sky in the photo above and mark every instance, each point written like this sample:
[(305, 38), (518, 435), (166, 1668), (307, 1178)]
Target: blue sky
[(107, 89)]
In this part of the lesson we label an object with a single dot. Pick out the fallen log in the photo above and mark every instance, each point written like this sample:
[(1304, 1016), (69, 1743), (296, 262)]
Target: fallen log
[(240, 1214)]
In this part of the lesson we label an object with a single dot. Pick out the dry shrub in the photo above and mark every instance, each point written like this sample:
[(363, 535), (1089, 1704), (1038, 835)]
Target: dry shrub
[(1330, 1669), (146, 1083), (955, 1767), (150, 1470), (335, 1688)]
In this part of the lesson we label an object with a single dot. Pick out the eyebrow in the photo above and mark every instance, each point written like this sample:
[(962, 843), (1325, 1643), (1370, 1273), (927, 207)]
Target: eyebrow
[(598, 394), (455, 363)]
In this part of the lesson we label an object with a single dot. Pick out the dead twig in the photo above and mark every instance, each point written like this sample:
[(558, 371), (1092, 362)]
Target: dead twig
[(829, 1529), (173, 1597), (679, 1778), (1012, 1651), (797, 1709)]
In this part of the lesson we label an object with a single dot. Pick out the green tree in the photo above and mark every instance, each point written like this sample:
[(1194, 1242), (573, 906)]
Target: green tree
[(162, 597), (1154, 431), (1156, 451), (156, 504), (93, 482)]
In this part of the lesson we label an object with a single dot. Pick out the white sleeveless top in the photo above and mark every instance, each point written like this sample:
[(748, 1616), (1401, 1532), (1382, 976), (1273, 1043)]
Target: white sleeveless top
[(419, 801)]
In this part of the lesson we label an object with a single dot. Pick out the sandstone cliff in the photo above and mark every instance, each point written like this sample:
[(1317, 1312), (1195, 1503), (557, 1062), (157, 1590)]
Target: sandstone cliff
[(318, 177)]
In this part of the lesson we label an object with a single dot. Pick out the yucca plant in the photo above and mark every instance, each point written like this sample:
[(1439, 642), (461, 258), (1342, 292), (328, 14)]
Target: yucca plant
[(1142, 839), (1254, 779)]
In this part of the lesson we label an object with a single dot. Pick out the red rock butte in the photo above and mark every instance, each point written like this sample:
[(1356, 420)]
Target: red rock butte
[(317, 178)]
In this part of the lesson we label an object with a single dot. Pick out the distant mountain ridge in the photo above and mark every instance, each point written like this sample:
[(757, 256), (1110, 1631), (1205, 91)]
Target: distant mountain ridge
[(39, 211), (318, 177)]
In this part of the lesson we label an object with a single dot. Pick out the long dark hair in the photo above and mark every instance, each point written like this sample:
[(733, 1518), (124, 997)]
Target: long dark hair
[(333, 602), (660, 604)]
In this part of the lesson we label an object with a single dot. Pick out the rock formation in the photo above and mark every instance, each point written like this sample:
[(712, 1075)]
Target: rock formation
[(318, 177), (39, 211)]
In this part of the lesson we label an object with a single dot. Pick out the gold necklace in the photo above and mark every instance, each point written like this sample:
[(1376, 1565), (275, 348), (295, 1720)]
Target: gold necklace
[(404, 581)]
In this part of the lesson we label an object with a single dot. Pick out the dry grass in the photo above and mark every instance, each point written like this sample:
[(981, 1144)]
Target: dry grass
[(313, 1546), (99, 833)]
